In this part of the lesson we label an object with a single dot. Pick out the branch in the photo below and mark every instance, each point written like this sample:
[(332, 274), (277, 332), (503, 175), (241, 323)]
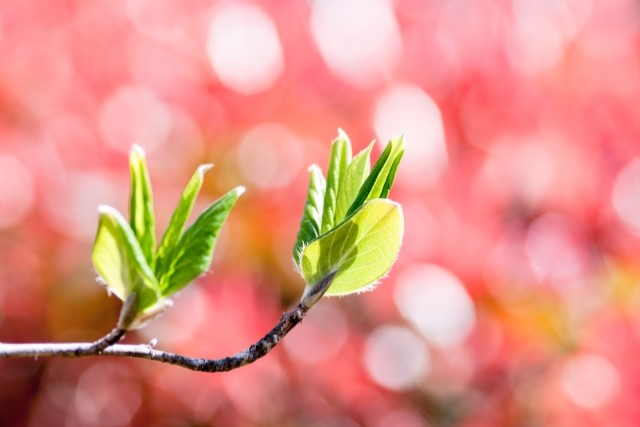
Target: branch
[(108, 340), (102, 347)]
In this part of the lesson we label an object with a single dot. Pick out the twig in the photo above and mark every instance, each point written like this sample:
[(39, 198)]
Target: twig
[(287, 322), (108, 340)]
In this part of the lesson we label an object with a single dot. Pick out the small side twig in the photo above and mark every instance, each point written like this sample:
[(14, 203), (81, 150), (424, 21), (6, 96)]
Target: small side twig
[(102, 348), (127, 314), (108, 340)]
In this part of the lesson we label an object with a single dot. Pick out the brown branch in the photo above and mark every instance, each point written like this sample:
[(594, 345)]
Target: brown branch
[(108, 340), (104, 347)]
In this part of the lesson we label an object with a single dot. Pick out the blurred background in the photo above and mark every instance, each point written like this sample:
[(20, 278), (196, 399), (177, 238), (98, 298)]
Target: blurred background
[(515, 300)]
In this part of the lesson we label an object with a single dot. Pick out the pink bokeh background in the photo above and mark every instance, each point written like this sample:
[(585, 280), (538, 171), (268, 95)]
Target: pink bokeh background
[(515, 300)]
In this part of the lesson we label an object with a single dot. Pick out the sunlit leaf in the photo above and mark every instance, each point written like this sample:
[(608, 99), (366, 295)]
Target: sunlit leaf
[(141, 215), (310, 226), (119, 260), (192, 255), (355, 175), (338, 162), (358, 252), (380, 180), (179, 220)]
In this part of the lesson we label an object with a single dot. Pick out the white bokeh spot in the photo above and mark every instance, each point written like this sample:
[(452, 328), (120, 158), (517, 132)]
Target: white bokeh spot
[(71, 202), (552, 249), (409, 110), (396, 358), (590, 381), (359, 40), (244, 48), (134, 115), (437, 303)]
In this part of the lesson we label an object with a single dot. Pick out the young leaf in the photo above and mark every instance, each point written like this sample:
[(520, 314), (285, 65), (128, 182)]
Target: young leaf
[(192, 255), (339, 159), (179, 219), (311, 223), (391, 176), (379, 181), (354, 177), (141, 204), (358, 252), (118, 258)]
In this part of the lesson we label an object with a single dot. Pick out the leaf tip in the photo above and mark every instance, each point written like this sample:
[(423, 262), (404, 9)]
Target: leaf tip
[(137, 150), (202, 169), (106, 209), (399, 139), (240, 190), (314, 168)]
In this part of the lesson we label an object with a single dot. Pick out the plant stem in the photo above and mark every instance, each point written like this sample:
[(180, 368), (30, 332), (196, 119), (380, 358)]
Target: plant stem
[(108, 340), (287, 322)]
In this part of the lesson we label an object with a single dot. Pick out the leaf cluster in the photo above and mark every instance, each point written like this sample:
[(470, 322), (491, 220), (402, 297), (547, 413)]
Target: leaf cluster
[(137, 270), (350, 233)]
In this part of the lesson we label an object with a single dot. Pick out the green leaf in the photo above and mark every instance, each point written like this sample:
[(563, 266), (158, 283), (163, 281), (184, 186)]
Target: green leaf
[(310, 226), (192, 255), (380, 180), (179, 219), (391, 175), (118, 258), (339, 159), (354, 177), (141, 204), (357, 253)]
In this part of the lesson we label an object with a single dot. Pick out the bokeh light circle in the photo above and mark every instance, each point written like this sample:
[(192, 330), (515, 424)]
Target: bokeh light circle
[(436, 302), (72, 200), (407, 109), (134, 115), (553, 248), (358, 39), (107, 395), (244, 49), (590, 381), (396, 358)]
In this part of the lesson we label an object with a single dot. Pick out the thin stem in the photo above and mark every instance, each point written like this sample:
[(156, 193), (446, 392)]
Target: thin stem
[(287, 322), (108, 340)]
